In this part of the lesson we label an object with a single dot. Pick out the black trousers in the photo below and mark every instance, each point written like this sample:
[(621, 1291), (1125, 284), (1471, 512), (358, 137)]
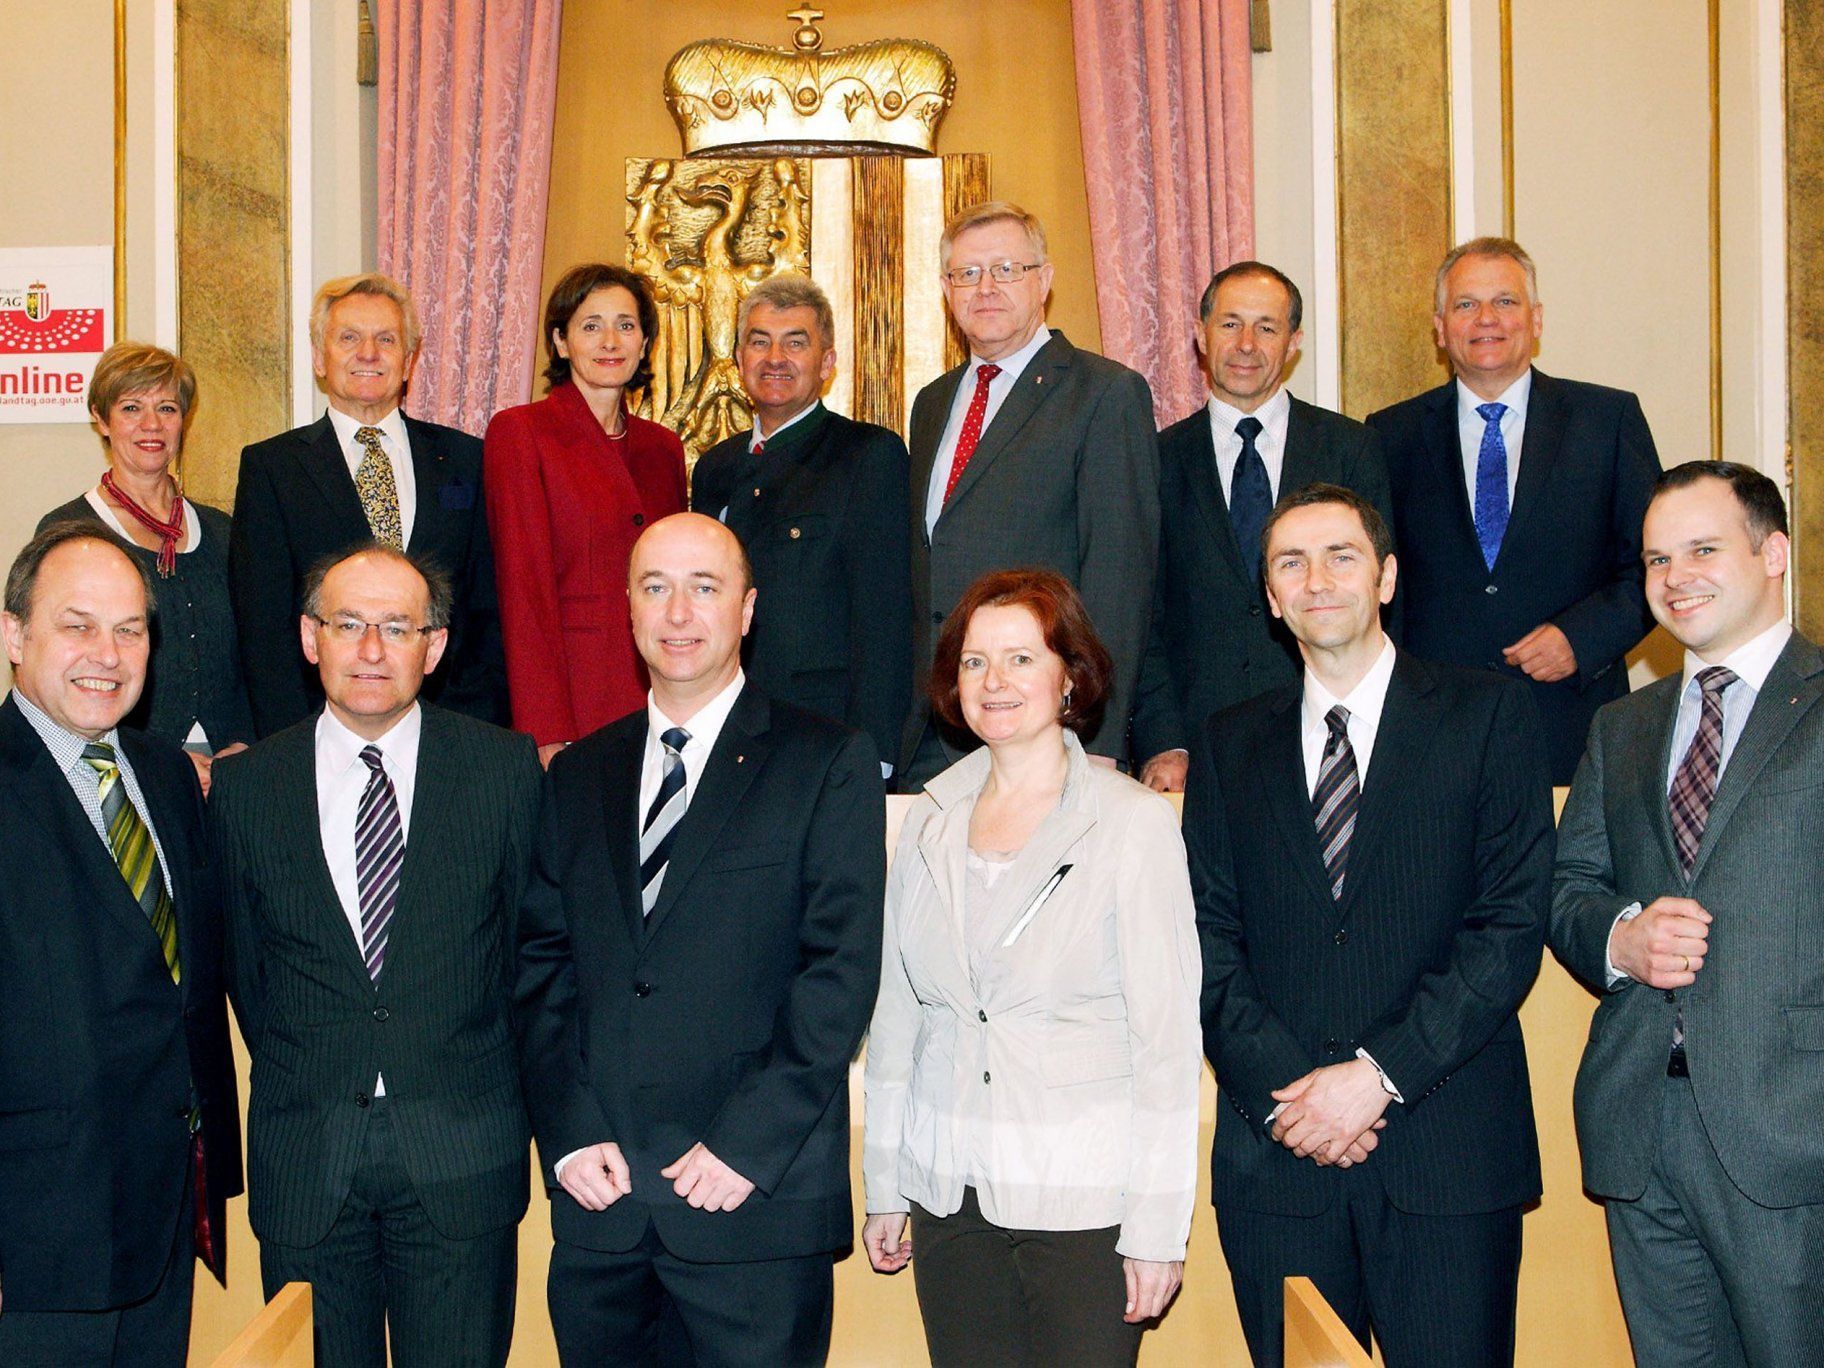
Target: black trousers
[(154, 1333), (1433, 1290), (384, 1268), (990, 1296), (622, 1310), (1707, 1276)]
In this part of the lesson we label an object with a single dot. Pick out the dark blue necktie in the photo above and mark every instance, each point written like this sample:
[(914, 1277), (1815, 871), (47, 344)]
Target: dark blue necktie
[(662, 818), (1491, 484), (1250, 496)]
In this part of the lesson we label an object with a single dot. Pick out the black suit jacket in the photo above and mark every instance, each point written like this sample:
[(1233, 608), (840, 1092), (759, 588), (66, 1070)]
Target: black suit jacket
[(296, 504), (730, 1016), (98, 1048), (823, 518), (1065, 476), (436, 1023), (1571, 555), (1214, 641), (1423, 963)]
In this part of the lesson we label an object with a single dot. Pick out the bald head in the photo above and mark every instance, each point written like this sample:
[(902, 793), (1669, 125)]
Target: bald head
[(692, 599)]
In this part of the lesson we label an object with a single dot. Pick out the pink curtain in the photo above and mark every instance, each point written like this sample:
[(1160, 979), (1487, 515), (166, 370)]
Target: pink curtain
[(1164, 94), (466, 96)]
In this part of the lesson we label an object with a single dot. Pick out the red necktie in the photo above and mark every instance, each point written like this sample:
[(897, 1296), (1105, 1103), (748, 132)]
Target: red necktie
[(972, 427)]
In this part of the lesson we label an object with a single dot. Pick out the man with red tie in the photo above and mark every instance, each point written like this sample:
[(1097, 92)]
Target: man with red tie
[(119, 1132), (1033, 452)]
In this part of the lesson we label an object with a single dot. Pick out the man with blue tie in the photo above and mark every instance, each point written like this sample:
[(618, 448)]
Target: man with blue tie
[(1517, 501)]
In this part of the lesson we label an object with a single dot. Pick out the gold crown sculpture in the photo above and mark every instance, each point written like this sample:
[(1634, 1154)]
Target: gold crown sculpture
[(729, 96)]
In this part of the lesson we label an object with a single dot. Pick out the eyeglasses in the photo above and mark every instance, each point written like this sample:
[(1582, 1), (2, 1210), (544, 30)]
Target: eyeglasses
[(1001, 272), (345, 627)]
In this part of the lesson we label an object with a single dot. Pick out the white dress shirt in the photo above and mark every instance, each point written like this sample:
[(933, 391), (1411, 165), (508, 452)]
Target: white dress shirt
[(1012, 367), (1751, 662), (398, 449), (1365, 702), (341, 777), (1470, 428), (704, 727), (1274, 415)]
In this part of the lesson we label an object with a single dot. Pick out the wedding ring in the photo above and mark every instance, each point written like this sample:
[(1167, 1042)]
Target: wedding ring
[(1687, 968)]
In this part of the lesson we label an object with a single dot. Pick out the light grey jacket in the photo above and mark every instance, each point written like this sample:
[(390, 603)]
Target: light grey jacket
[(1070, 1072)]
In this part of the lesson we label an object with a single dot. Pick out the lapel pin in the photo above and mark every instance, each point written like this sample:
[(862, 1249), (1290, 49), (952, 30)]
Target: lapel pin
[(739, 759)]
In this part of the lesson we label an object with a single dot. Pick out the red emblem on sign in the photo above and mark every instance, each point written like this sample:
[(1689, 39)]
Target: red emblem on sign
[(38, 329)]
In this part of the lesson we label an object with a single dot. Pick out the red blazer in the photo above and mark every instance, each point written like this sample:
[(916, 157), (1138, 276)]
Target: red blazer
[(565, 505)]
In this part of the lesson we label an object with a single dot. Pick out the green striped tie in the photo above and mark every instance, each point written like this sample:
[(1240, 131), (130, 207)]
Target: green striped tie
[(131, 841)]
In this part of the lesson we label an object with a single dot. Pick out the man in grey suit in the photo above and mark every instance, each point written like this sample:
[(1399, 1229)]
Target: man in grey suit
[(373, 858), (1034, 452), (1214, 642), (1690, 892)]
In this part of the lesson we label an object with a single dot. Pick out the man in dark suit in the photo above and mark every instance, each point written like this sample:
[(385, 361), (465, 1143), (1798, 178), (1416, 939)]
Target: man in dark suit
[(1370, 853), (1517, 500), (119, 1133), (1220, 470), (373, 858), (1033, 452), (1690, 895), (819, 503), (363, 471), (700, 953)]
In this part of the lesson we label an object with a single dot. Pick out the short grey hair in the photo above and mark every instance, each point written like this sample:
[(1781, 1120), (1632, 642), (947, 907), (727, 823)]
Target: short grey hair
[(330, 292), (789, 290), (992, 211), (439, 593), (1486, 247), (22, 579)]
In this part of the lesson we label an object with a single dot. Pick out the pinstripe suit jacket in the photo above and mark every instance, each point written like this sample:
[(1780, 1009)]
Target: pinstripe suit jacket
[(436, 1023), (1754, 1019), (1423, 962)]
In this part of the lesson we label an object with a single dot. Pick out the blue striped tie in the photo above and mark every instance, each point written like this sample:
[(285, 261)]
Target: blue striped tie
[(1491, 484), (662, 819), (379, 856)]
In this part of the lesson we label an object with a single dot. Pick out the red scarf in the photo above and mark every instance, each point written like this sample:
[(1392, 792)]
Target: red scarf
[(169, 533)]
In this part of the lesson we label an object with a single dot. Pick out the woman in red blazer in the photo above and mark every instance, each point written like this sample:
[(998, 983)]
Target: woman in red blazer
[(571, 481)]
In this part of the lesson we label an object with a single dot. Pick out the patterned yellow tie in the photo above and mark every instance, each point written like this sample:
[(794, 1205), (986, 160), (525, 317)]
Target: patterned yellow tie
[(135, 853), (379, 495)]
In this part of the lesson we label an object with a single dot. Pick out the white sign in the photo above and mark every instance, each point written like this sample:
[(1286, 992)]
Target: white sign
[(56, 307)]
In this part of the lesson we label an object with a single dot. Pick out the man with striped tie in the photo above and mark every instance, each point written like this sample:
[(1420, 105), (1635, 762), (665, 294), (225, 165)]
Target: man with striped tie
[(119, 1133), (1371, 854), (700, 951), (372, 858)]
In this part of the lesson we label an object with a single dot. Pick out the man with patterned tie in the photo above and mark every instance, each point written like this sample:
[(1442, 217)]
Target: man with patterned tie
[(1370, 852), (700, 951), (1517, 500), (363, 471), (1690, 895), (373, 858), (1033, 452), (1213, 641), (119, 1131)]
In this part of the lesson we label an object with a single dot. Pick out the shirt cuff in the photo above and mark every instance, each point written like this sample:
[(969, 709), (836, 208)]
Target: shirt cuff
[(1615, 978), (557, 1169), (1386, 1082)]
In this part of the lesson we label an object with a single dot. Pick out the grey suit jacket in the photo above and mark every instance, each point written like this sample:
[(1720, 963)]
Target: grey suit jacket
[(1754, 1019), (1066, 476)]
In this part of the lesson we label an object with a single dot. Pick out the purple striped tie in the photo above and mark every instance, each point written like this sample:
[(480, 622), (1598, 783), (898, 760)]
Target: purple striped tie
[(379, 854)]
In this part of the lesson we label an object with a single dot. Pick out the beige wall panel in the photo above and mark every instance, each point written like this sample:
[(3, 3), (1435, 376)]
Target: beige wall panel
[(234, 326), (1393, 200), (1282, 166), (1611, 174), (1016, 101), (57, 145), (1805, 322)]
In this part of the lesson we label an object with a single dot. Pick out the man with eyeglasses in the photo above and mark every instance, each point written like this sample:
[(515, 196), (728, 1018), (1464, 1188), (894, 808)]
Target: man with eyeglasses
[(1033, 452), (372, 857)]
